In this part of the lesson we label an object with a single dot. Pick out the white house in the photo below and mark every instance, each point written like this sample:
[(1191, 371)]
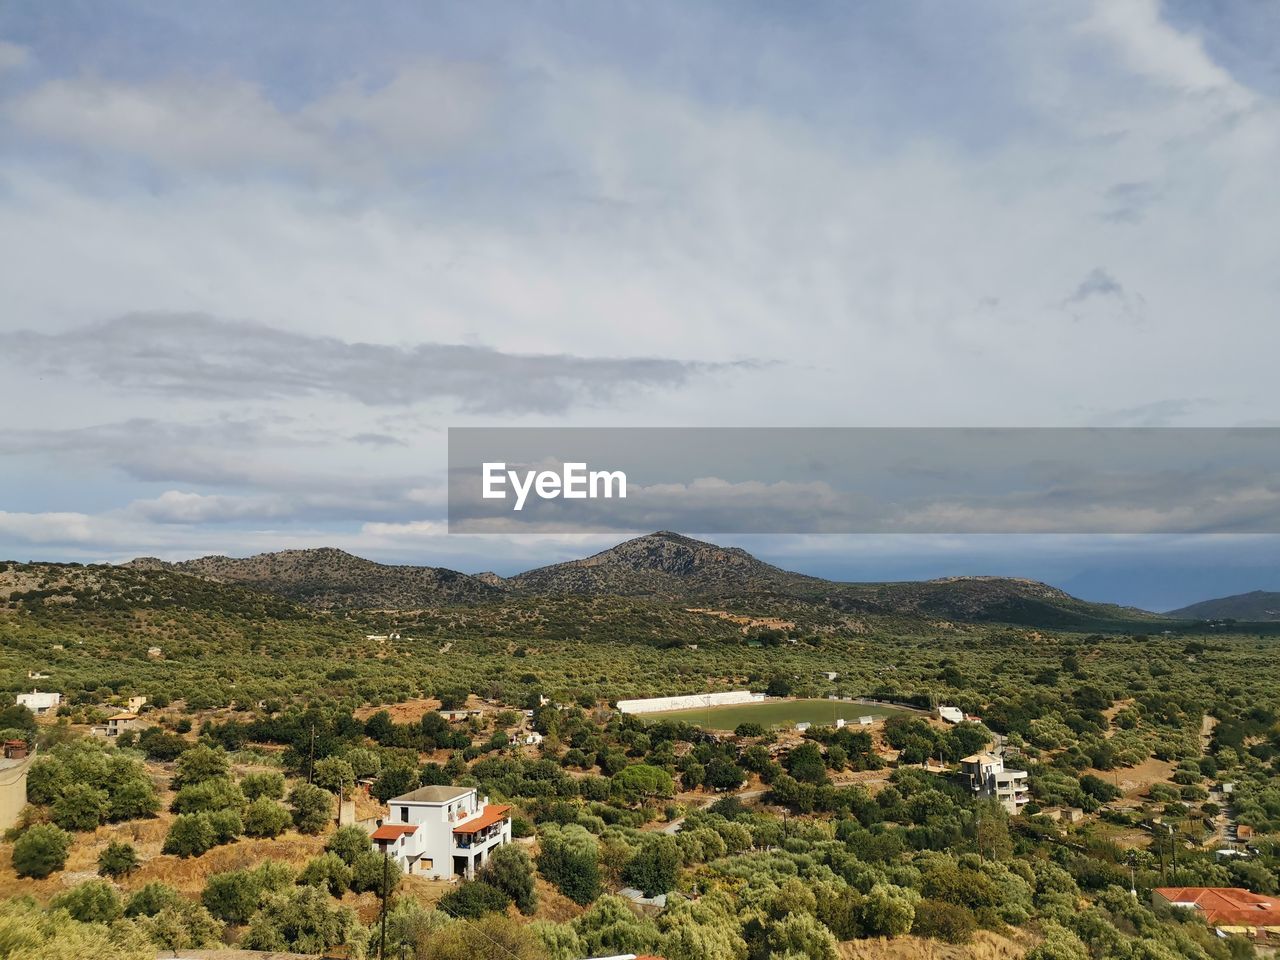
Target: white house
[(39, 703), (443, 832), (951, 714), (988, 778)]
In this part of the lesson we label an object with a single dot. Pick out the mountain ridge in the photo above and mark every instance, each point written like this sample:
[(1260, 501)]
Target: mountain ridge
[(1255, 605), (664, 565)]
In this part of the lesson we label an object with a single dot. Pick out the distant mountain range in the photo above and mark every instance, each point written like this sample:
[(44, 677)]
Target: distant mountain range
[(1256, 606), (664, 565)]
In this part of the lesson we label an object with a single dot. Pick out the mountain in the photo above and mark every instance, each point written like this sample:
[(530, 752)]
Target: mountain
[(1257, 606), (327, 578), (665, 564)]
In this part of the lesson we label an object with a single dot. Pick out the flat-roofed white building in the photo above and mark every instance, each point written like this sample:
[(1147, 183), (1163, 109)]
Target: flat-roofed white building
[(690, 701), (40, 703), (988, 778), (442, 831)]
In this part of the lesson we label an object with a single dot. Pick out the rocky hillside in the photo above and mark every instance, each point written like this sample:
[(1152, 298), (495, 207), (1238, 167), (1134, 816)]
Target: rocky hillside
[(1256, 606), (666, 564), (327, 578)]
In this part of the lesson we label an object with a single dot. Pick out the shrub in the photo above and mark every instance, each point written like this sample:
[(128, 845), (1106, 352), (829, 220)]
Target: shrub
[(349, 843), (151, 899), (367, 873), (268, 784), (199, 764), (329, 872), (226, 826), (265, 818), (232, 896), (943, 921), (81, 807), (473, 900), (217, 793), (190, 835), (118, 860), (40, 851), (511, 871), (312, 808), (94, 901)]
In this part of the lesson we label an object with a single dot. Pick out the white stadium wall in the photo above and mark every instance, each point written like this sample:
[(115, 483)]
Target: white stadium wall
[(689, 701)]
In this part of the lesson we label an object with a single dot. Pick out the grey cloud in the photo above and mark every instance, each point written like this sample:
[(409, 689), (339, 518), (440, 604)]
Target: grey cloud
[(1128, 202), (199, 356), (1099, 283)]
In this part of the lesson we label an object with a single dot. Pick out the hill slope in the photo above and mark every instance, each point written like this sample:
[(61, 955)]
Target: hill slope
[(327, 578), (1257, 605)]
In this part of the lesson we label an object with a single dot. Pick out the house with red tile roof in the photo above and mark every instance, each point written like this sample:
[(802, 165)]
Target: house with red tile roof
[(442, 832), (1227, 909)]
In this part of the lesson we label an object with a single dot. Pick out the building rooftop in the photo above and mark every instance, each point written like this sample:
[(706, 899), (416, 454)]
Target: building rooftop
[(393, 831), (1226, 905), (434, 795), (493, 813), (986, 757)]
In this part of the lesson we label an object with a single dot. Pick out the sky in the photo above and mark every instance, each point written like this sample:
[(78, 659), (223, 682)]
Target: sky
[(256, 259)]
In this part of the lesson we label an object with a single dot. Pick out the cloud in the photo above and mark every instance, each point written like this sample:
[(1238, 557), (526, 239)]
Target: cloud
[(197, 356), (1098, 283), (423, 108), (12, 56)]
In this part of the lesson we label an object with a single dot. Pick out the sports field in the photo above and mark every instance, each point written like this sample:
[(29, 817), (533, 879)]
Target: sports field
[(774, 713)]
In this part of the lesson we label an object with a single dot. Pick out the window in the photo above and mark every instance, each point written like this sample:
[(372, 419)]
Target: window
[(404, 814)]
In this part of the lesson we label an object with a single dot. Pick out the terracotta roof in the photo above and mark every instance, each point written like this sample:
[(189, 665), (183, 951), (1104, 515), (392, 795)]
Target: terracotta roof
[(393, 831), (493, 813), (1227, 905)]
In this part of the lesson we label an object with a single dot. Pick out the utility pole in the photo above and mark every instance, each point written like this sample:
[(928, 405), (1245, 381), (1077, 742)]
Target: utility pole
[(386, 879)]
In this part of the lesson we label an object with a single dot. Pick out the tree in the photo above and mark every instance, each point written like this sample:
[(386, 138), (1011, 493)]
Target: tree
[(132, 799), (348, 843), (367, 873), (226, 825), (40, 851), (29, 933), (183, 925), (394, 782), (888, 910), (268, 783), (216, 793), (312, 808), (233, 896), (723, 774), (328, 872), (151, 899), (81, 807), (1059, 944), (118, 860), (641, 781), (301, 921), (805, 763), (609, 927), (202, 762), (335, 775), (800, 935), (943, 921), (569, 858), (654, 867), (474, 899), (510, 870), (94, 901), (190, 835), (493, 935), (265, 818)]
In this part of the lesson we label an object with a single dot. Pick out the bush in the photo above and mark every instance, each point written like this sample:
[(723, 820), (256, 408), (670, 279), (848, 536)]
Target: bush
[(265, 818), (81, 807), (569, 858), (265, 784), (232, 896), (94, 901), (329, 872), (226, 826), (151, 899), (132, 799), (312, 808), (200, 764), (473, 900), (301, 921), (511, 871), (217, 793), (40, 851), (118, 860), (367, 873), (190, 835), (943, 921), (349, 843)]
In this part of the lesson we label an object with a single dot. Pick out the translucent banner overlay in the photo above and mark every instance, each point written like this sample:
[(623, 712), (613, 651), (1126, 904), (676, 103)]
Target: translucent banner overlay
[(864, 480)]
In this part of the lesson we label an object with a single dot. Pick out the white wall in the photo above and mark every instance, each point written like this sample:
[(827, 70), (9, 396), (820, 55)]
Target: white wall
[(688, 702)]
